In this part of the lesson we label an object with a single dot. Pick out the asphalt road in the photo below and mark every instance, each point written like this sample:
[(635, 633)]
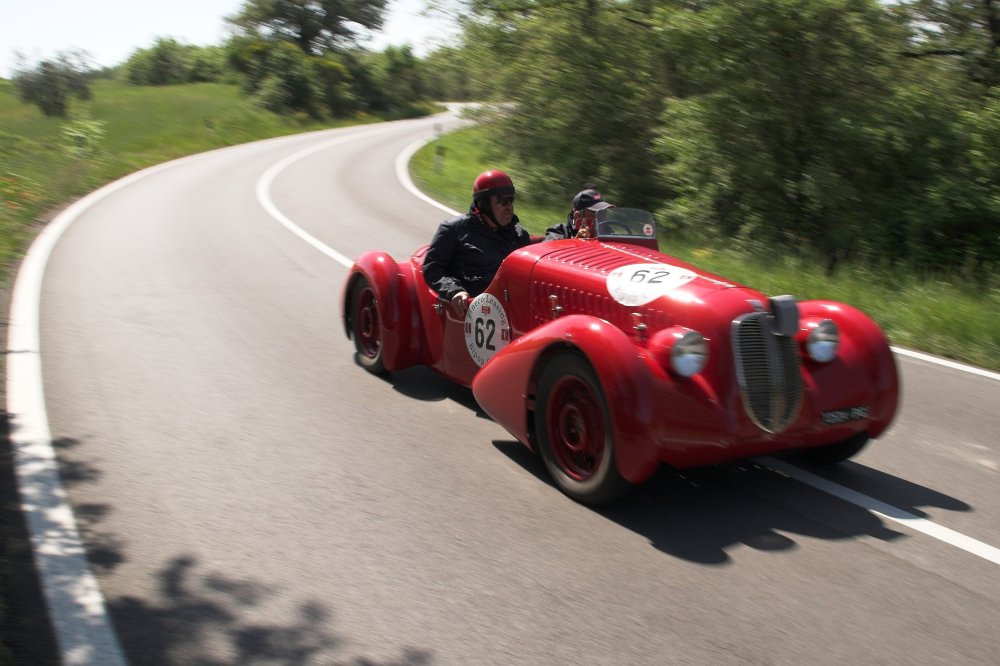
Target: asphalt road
[(247, 494)]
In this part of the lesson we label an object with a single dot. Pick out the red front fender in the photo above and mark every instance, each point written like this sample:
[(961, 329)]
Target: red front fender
[(397, 307), (865, 370), (505, 387)]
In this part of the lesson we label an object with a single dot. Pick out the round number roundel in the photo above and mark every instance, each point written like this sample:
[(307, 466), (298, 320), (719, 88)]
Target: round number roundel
[(638, 284), (486, 328)]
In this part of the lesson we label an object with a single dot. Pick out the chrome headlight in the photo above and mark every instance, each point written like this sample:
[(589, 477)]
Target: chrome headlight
[(680, 350), (689, 354), (822, 341)]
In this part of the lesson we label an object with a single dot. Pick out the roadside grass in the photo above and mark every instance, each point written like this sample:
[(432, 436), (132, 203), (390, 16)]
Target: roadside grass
[(937, 314), (46, 162), (445, 168)]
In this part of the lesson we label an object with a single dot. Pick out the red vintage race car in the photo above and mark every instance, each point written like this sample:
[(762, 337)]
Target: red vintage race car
[(610, 358)]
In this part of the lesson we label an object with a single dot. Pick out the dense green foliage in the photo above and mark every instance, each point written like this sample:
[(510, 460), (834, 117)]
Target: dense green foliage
[(284, 79), (298, 56), (844, 129), (290, 57), (314, 27), (169, 62)]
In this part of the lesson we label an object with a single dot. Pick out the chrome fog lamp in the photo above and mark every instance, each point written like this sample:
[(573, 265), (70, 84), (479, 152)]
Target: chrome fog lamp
[(822, 341), (689, 354)]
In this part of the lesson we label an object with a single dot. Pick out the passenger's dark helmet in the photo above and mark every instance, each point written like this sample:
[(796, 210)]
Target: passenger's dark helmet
[(586, 199)]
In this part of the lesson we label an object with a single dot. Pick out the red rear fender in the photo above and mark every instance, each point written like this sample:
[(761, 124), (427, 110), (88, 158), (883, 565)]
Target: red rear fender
[(393, 283)]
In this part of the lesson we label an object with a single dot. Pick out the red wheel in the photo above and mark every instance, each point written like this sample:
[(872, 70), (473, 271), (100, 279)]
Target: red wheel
[(366, 328), (574, 431)]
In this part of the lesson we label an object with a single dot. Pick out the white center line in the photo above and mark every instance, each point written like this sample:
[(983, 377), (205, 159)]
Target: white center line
[(887, 511)]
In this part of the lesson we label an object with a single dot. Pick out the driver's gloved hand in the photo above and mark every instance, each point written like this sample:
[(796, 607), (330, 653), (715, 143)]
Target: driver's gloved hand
[(460, 302)]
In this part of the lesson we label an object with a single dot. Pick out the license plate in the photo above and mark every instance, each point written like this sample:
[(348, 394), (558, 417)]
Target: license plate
[(838, 416)]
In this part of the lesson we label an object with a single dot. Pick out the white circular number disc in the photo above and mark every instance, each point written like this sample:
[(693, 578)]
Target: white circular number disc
[(486, 328), (638, 284)]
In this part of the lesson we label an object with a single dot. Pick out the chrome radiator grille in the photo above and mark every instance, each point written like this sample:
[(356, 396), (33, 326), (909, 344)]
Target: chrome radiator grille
[(767, 367)]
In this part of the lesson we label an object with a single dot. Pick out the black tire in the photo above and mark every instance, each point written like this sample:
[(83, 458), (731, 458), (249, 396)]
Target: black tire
[(832, 454), (575, 433), (366, 326)]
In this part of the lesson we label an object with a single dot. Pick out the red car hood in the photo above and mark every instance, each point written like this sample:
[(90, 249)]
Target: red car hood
[(631, 277)]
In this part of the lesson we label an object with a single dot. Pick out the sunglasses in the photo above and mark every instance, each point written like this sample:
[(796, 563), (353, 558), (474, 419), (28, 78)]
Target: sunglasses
[(505, 201)]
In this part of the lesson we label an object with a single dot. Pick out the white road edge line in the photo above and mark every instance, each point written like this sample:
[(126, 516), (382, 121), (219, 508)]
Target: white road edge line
[(982, 372), (887, 511), (76, 606), (77, 609), (263, 191), (403, 175)]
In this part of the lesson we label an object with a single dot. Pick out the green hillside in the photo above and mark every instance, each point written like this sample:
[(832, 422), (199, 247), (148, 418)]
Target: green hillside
[(45, 162)]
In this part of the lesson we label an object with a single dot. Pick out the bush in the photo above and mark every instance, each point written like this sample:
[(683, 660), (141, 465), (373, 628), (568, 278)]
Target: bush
[(53, 83), (169, 62)]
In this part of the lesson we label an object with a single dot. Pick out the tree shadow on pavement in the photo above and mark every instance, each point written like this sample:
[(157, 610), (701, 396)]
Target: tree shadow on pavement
[(104, 550), (703, 515), (25, 631), (193, 616), (204, 618)]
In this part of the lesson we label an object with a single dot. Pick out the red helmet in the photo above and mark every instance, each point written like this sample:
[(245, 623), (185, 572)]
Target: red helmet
[(492, 182)]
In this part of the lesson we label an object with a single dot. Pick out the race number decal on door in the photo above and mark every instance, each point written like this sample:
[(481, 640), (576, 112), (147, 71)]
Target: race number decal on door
[(486, 328), (638, 284)]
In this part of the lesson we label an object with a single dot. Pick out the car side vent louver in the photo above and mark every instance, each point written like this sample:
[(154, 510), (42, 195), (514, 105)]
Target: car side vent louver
[(767, 367)]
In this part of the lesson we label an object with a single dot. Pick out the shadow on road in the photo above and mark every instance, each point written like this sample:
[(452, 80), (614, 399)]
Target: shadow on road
[(700, 515), (25, 633), (422, 383), (199, 617), (193, 615), (887, 488)]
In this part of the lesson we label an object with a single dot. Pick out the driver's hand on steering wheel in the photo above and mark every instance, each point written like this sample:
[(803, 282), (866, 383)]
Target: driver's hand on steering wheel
[(460, 302), (584, 232)]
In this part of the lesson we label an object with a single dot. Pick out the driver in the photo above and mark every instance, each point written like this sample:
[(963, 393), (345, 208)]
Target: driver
[(467, 250), (572, 228)]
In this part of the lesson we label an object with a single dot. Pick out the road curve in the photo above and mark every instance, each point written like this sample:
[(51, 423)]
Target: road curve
[(247, 494)]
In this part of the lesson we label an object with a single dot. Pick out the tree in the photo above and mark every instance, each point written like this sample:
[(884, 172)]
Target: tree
[(965, 30), (581, 82), (314, 26), (51, 84), (788, 137), (400, 77), (449, 75), (165, 63), (288, 84), (168, 62)]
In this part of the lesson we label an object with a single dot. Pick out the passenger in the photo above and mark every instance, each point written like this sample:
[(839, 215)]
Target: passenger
[(467, 251), (572, 228)]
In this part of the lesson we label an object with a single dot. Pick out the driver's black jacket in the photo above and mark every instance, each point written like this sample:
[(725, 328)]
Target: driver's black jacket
[(465, 254)]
